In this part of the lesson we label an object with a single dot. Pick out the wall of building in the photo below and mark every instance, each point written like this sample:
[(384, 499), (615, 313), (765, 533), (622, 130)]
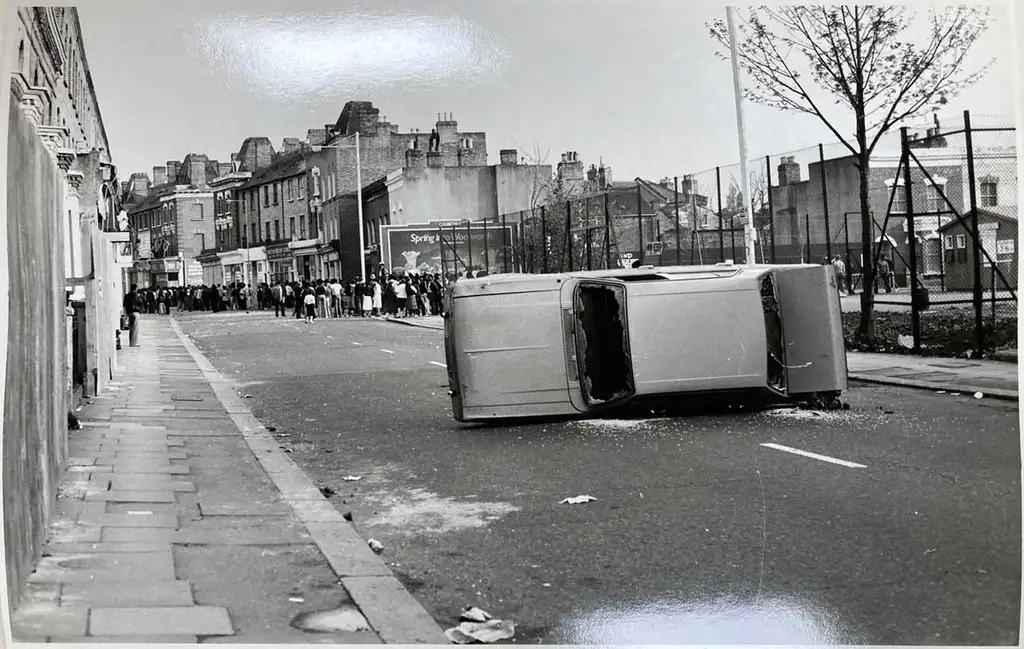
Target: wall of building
[(192, 221), (35, 397)]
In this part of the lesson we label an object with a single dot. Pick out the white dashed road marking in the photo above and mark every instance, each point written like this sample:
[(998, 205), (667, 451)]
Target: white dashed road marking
[(355, 343), (387, 351), (439, 364), (823, 458)]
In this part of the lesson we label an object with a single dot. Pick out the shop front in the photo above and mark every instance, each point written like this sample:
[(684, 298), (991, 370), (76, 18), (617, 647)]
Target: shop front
[(279, 263), (233, 270), (305, 253), (330, 261), (212, 273), (164, 272)]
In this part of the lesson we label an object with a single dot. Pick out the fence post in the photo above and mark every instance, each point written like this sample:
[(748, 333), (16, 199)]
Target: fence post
[(824, 201), (504, 245), (732, 235), (487, 253), (544, 236), (807, 229), (469, 247), (607, 233), (771, 210), (915, 316), (590, 243), (979, 334), (568, 230), (679, 250), (849, 268), (640, 222), (721, 233)]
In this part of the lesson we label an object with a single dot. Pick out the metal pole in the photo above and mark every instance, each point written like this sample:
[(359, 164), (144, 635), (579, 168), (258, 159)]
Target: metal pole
[(824, 201), (544, 236), (807, 228), (640, 222), (487, 254), (679, 250), (607, 233), (915, 316), (979, 335), (469, 247), (849, 268), (590, 239), (771, 208), (568, 230), (721, 233), (748, 232), (504, 245), (359, 205)]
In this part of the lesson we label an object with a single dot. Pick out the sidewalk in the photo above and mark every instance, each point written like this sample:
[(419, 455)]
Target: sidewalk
[(180, 520), (995, 379)]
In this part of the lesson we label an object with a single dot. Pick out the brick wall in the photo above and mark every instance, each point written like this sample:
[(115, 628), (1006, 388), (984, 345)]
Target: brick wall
[(35, 392)]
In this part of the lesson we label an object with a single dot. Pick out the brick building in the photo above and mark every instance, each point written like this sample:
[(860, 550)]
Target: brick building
[(173, 222)]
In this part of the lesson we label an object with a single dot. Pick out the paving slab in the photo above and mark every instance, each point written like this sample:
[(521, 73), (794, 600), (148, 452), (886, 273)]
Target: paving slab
[(130, 639), (77, 548), (221, 507), (160, 620), (133, 496), (85, 567), (151, 482), (128, 593), (170, 469), (47, 620), (138, 534)]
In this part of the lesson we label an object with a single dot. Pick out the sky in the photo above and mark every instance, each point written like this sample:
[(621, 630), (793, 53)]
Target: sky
[(634, 83)]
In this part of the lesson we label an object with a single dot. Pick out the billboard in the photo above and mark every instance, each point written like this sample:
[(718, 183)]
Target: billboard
[(430, 248), (145, 245)]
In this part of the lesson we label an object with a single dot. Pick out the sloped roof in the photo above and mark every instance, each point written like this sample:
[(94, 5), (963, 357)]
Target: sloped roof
[(285, 165), (1001, 212)]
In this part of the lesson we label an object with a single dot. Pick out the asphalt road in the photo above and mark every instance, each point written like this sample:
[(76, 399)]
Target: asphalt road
[(699, 534)]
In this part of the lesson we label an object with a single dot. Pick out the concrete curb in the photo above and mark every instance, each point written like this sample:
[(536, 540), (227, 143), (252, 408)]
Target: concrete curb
[(993, 393), (409, 323), (393, 613)]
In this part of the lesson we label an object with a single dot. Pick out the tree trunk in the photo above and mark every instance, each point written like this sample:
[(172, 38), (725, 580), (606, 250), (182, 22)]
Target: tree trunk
[(866, 330)]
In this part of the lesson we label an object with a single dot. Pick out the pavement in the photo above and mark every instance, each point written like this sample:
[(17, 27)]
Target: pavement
[(993, 379), (181, 519), (896, 522)]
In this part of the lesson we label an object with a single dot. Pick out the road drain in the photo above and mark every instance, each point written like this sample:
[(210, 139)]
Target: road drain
[(344, 618)]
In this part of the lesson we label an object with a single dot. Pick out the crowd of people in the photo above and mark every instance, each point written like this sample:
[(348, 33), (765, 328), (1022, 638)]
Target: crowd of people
[(380, 295)]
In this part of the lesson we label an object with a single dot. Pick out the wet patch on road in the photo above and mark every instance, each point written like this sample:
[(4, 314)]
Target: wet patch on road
[(418, 511)]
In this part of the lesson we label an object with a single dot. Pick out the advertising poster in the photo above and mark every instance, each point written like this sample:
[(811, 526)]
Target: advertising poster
[(145, 245), (424, 248)]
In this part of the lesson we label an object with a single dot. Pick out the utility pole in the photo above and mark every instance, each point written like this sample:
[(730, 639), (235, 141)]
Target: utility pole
[(748, 230)]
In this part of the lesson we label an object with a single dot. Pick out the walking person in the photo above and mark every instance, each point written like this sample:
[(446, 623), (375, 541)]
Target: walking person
[(378, 296), (131, 308), (840, 267), (321, 298), (299, 300), (243, 298)]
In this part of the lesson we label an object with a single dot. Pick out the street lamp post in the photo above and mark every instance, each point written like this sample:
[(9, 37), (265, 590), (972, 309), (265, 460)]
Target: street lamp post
[(359, 202), (748, 231)]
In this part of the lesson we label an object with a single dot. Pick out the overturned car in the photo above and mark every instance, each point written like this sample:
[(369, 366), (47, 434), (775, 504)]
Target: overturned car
[(580, 343)]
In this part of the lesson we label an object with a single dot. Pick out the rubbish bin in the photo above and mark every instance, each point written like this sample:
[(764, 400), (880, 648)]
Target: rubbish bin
[(920, 299)]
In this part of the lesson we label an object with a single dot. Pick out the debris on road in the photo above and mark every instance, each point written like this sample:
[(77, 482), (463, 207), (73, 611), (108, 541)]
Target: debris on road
[(271, 428), (577, 500), (327, 492), (483, 632), (352, 478), (978, 395), (927, 552), (297, 600), (248, 396), (474, 614), (375, 545), (347, 516)]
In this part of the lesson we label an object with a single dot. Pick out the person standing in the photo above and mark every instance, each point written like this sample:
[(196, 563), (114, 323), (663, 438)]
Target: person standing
[(840, 267), (277, 295), (378, 296), (309, 300), (131, 309), (243, 298), (321, 299)]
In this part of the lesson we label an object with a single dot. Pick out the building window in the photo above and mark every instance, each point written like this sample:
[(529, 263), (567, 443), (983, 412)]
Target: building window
[(934, 194), (899, 200), (267, 237), (302, 227), (291, 227), (989, 192), (244, 203), (255, 235), (1004, 250), (277, 230), (301, 182), (275, 193), (291, 189)]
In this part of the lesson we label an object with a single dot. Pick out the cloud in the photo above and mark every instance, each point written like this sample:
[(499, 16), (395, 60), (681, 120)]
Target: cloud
[(293, 56)]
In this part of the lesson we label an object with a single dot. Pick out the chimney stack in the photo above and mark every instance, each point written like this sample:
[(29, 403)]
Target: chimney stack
[(789, 170), (435, 159), (415, 158), (508, 157), (159, 175)]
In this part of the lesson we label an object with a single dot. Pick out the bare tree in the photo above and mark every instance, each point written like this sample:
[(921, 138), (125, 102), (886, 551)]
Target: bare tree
[(861, 58)]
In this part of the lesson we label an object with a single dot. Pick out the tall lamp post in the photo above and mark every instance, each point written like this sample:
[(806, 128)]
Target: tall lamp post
[(748, 231), (359, 200)]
